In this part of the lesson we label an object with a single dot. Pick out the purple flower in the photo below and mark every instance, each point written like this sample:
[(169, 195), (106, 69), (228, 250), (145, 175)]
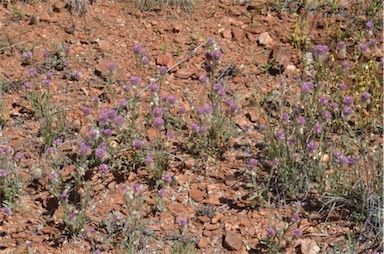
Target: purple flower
[(297, 232), (112, 67), (347, 111), (363, 47), (284, 117), (217, 87), (301, 120), (207, 109), (20, 156), (322, 49), (253, 162), (217, 54), (295, 218), (298, 204), (182, 110), (137, 187), (162, 192), (64, 195), (157, 112), (154, 87), (47, 83), (348, 100), (145, 60), (335, 105), (58, 142), (137, 143), (345, 65), (103, 168), (50, 149), (100, 152), (202, 130), (307, 87), (27, 85), (327, 115), (171, 135), (76, 75), (167, 178), (365, 97), (270, 232), (93, 133), (67, 50), (279, 134), (135, 80), (103, 115), (108, 132), (3, 172), (341, 45), (149, 159), (28, 55), (183, 221), (111, 114), (97, 251), (369, 25), (171, 99), (28, 244), (127, 87), (312, 147), (123, 103), (86, 110), (159, 122), (323, 100), (6, 210), (203, 79), (232, 108), (119, 120), (31, 71), (372, 42), (342, 86), (275, 162), (199, 111), (163, 70), (351, 161), (195, 127), (317, 128), (138, 49), (342, 159), (85, 148), (45, 53)]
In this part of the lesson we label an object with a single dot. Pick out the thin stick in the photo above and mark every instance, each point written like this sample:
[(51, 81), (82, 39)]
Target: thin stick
[(186, 58)]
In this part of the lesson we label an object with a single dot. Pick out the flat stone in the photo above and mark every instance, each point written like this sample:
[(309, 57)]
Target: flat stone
[(203, 242), (185, 73), (232, 241), (309, 246), (196, 195), (266, 40), (227, 34), (165, 60), (237, 33)]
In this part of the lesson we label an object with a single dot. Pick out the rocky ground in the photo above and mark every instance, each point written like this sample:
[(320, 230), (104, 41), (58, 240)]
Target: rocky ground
[(254, 37)]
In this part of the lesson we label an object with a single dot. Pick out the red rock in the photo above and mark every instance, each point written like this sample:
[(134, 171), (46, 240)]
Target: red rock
[(309, 246), (203, 242), (165, 60), (237, 33), (212, 227), (266, 40), (227, 34), (185, 73), (196, 195), (232, 241)]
